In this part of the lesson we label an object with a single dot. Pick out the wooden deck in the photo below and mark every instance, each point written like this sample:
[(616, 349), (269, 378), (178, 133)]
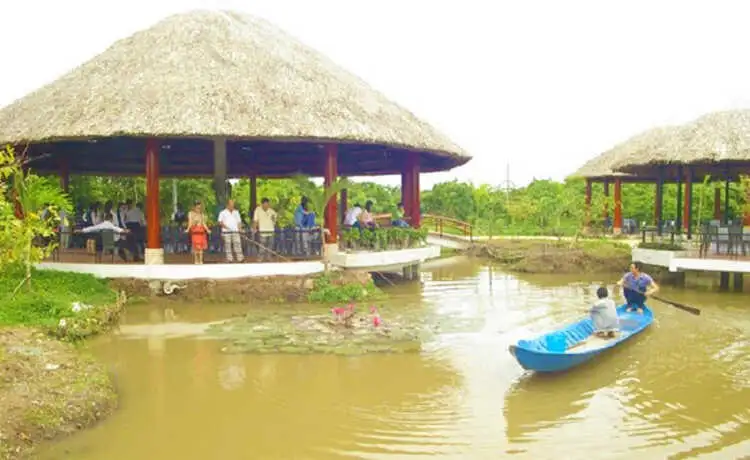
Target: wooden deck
[(677, 261), (695, 254)]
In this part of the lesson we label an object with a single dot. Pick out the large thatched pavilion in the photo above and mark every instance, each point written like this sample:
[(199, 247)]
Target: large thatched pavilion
[(716, 145), (220, 94)]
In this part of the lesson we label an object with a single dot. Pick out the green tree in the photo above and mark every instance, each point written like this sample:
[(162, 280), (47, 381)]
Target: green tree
[(26, 235)]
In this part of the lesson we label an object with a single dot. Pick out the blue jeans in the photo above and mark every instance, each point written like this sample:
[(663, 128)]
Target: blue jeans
[(634, 298), (400, 223)]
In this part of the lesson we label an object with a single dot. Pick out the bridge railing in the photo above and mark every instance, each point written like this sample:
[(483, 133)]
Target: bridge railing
[(443, 225)]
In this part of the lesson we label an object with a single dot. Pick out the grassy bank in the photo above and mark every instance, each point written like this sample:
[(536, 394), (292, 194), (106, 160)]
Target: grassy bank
[(48, 387), (70, 306), (558, 257)]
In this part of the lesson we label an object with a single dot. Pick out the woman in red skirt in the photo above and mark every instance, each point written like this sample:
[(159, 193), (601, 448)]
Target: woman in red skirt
[(197, 226)]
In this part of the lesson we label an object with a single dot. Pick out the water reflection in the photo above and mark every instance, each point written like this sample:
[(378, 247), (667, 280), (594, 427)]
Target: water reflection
[(679, 390)]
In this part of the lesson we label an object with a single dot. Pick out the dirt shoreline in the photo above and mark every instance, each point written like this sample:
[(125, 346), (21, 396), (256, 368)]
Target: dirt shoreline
[(48, 389), (259, 289), (556, 257)]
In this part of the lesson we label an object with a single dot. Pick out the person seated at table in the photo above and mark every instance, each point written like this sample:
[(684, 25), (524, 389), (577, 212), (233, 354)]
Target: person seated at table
[(351, 219), (604, 315), (636, 286), (366, 219), (398, 217), (123, 246)]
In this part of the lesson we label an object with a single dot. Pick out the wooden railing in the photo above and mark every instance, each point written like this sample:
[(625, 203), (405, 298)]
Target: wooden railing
[(448, 226)]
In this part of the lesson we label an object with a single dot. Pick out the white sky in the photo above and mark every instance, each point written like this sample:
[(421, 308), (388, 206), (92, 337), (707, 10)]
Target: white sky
[(543, 85)]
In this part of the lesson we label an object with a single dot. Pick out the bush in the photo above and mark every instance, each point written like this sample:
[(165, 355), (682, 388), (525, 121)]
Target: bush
[(661, 246), (330, 288)]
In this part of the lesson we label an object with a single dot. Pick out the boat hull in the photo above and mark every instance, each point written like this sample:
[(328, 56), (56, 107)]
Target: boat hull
[(561, 350)]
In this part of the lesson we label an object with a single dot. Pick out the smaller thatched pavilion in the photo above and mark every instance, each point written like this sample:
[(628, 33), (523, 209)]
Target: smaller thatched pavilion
[(716, 145), (218, 94), (600, 169)]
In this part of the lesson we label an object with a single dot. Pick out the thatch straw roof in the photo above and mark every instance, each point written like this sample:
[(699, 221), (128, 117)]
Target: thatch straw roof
[(603, 166), (208, 74), (714, 144)]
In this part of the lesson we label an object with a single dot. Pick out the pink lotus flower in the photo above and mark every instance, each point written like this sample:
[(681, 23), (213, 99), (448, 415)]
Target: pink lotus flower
[(376, 321)]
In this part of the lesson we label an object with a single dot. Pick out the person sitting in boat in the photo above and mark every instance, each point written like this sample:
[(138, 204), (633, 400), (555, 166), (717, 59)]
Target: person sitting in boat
[(604, 315), (636, 286)]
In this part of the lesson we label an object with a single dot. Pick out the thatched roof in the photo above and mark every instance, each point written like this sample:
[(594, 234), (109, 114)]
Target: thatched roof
[(603, 166), (714, 144), (208, 74)]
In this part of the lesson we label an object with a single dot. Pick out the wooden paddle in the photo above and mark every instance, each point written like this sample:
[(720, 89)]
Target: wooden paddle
[(681, 306)]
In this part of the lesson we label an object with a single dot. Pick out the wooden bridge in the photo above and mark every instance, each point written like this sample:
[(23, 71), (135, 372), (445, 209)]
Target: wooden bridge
[(444, 231), (447, 232)]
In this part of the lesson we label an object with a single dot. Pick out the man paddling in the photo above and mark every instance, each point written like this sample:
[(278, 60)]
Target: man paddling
[(636, 286)]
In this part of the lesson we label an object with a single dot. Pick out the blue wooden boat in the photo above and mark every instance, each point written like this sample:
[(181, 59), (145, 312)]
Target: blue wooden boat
[(573, 345)]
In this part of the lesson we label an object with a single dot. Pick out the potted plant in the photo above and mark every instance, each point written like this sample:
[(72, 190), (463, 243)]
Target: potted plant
[(382, 237), (368, 238)]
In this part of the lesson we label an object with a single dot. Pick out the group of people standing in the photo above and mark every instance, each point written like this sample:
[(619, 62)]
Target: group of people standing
[(127, 221), (232, 230)]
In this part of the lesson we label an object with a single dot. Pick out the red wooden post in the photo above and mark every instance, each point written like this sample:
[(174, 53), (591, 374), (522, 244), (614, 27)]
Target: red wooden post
[(588, 202), (717, 204), (331, 212), (412, 169), (153, 228), (64, 174), (617, 224)]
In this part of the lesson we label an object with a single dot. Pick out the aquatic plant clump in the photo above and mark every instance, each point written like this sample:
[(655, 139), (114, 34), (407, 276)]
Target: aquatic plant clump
[(343, 332)]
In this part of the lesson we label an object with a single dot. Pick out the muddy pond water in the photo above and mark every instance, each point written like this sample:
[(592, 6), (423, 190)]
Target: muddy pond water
[(680, 390)]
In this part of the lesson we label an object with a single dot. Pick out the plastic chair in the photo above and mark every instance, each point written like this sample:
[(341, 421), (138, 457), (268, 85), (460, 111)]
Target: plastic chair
[(108, 245)]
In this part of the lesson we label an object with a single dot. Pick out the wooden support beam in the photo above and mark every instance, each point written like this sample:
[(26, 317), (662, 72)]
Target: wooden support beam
[(153, 226), (331, 211)]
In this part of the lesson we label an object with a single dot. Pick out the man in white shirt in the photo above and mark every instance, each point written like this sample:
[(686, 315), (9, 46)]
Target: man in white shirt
[(231, 228), (352, 216), (264, 221)]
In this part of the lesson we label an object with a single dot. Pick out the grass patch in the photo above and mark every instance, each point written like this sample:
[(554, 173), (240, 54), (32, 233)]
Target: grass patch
[(68, 305), (558, 257)]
